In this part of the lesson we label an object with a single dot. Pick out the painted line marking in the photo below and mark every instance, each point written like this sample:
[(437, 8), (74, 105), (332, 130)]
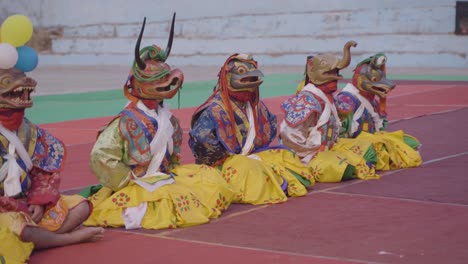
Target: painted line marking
[(329, 190), (424, 91), (245, 248)]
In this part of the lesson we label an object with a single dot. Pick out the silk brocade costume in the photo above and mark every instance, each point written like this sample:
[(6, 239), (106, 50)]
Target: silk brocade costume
[(255, 171), (174, 196)]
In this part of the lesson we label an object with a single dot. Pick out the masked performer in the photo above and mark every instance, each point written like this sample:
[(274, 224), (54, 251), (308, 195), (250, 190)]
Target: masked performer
[(233, 130), (136, 157), (32, 211), (361, 106), (311, 125)]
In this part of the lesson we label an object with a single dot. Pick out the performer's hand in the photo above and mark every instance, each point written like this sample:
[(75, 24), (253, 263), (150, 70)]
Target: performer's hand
[(36, 212)]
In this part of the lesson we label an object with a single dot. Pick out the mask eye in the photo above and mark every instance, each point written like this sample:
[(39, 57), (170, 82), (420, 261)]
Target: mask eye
[(374, 79), (323, 63), (6, 81), (241, 70)]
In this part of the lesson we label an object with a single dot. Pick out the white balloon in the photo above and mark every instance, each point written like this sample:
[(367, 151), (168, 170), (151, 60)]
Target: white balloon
[(8, 56)]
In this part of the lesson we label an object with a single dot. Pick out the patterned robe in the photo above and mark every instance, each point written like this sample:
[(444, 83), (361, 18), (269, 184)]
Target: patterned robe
[(40, 185), (364, 121), (122, 151), (302, 112), (257, 172), (311, 128), (210, 137), (136, 159), (369, 120)]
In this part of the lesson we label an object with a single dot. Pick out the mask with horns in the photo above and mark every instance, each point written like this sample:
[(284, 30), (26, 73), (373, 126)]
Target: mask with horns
[(151, 78)]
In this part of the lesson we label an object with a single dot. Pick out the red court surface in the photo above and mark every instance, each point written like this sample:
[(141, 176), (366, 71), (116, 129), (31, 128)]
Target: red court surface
[(416, 215)]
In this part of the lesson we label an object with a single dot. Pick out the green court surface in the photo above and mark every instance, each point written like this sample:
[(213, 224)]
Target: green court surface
[(74, 106)]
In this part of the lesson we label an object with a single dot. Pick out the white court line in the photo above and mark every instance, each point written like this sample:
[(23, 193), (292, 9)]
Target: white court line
[(386, 173), (244, 248), (432, 105), (445, 158), (165, 234), (327, 190), (423, 91)]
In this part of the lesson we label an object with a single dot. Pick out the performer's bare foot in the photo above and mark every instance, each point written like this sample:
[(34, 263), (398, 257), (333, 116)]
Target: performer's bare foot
[(87, 234)]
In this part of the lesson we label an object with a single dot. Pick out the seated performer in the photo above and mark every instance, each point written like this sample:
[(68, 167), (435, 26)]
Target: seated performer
[(362, 115), (311, 125), (32, 211), (233, 130), (136, 156)]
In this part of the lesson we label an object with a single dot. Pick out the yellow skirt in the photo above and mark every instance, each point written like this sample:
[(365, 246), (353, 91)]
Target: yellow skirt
[(347, 159), (392, 151), (52, 219), (198, 195), (13, 250), (266, 177)]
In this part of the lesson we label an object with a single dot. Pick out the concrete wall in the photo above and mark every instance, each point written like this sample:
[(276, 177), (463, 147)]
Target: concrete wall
[(416, 33)]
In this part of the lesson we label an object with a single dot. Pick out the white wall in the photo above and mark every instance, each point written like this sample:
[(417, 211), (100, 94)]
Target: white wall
[(416, 33)]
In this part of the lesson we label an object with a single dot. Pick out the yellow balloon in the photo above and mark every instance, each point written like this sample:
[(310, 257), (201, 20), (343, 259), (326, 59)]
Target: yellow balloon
[(16, 30)]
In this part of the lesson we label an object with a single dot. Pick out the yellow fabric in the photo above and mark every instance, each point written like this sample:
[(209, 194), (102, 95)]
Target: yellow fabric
[(52, 219), (198, 195), (330, 165), (259, 181), (392, 151), (12, 249), (16, 221)]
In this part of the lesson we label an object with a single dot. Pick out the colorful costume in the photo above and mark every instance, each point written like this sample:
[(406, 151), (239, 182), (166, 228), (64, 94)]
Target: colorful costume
[(136, 157), (233, 130), (311, 125), (364, 117), (30, 160)]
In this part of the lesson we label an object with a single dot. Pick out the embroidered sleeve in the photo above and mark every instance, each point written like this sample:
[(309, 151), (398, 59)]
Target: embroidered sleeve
[(299, 108), (204, 142), (273, 123), (345, 129), (177, 140), (8, 204), (109, 158), (345, 104), (49, 153), (382, 115), (44, 187)]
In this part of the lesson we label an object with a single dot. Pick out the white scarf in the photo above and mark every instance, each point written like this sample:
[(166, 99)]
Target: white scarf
[(163, 139), (365, 105), (315, 136), (10, 172), (133, 216), (251, 134)]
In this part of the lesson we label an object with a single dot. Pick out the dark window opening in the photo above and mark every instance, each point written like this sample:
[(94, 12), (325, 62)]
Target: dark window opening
[(461, 18)]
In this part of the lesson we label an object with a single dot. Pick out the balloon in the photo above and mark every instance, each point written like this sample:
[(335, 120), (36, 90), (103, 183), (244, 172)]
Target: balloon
[(16, 30), (8, 56), (27, 59)]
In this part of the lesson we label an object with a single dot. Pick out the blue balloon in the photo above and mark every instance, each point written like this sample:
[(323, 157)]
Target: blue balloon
[(27, 59)]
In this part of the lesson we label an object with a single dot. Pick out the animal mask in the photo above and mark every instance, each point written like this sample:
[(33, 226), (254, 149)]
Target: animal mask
[(243, 75), (15, 89), (151, 77), (370, 76), (324, 68)]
